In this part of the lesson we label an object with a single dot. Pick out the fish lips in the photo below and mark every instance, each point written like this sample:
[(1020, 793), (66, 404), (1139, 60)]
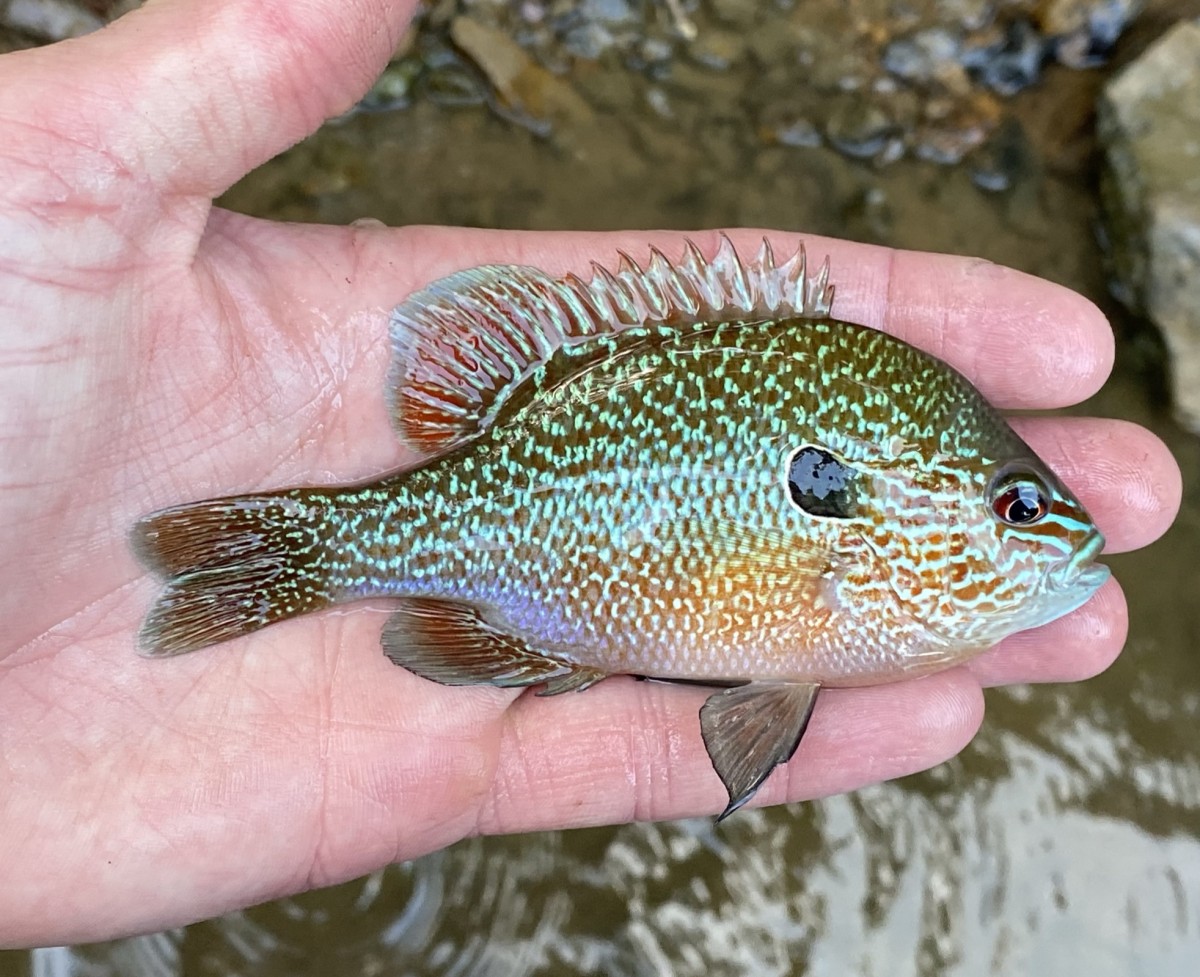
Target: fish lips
[(1080, 577)]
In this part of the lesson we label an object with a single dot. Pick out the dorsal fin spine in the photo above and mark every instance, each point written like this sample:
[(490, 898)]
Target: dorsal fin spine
[(771, 291), (727, 264), (607, 286), (671, 284), (463, 342), (579, 308)]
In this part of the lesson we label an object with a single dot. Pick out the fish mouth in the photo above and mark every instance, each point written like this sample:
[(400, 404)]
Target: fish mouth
[(1080, 573)]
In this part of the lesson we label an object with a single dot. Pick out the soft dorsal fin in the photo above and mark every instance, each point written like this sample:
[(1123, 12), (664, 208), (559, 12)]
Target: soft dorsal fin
[(463, 343)]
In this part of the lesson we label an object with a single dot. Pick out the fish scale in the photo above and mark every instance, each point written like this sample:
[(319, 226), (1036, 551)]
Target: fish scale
[(691, 472), (647, 634)]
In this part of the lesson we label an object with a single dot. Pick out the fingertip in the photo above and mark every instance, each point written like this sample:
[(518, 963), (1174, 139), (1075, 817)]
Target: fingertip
[(1073, 648), (1025, 341), (192, 96), (1124, 475), (1143, 480), (889, 730), (1061, 337)]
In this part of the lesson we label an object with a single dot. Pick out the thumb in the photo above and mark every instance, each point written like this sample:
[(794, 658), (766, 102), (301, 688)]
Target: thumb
[(190, 95)]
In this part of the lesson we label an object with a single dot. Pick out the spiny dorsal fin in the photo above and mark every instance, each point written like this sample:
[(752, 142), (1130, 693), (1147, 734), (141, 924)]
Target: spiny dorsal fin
[(464, 342)]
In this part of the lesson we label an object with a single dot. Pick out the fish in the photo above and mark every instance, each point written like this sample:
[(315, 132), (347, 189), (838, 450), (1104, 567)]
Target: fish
[(689, 472)]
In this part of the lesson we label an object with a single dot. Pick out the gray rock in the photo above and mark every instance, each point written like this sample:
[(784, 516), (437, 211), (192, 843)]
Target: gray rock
[(1084, 31), (860, 129), (589, 40), (922, 57), (1016, 62), (740, 13), (49, 20), (1149, 119), (609, 11)]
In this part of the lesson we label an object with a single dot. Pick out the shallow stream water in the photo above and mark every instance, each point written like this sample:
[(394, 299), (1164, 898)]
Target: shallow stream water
[(1064, 840)]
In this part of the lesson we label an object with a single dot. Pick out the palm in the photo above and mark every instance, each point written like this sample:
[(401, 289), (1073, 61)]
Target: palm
[(244, 368), (185, 352)]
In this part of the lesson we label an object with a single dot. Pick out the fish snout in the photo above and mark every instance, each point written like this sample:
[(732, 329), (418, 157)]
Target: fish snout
[(1080, 573)]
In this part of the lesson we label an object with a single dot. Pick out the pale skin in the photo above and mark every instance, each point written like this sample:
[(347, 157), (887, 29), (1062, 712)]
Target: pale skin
[(154, 350)]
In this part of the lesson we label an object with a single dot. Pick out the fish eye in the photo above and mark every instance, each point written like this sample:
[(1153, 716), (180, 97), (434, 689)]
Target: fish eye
[(1021, 502), (821, 484)]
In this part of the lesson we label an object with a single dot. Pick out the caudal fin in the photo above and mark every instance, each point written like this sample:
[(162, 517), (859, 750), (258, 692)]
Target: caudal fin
[(232, 566)]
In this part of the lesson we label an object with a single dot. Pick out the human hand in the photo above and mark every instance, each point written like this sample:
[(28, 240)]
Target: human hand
[(155, 350)]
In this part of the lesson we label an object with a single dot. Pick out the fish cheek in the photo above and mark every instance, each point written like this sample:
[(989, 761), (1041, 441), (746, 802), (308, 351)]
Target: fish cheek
[(843, 505), (943, 565)]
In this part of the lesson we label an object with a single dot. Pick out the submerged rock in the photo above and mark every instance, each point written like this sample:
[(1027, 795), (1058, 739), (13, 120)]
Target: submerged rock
[(528, 92), (876, 81), (1150, 124), (926, 57), (1082, 32), (49, 20), (862, 130)]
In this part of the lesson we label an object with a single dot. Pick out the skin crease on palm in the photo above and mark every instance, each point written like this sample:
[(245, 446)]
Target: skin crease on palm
[(155, 350)]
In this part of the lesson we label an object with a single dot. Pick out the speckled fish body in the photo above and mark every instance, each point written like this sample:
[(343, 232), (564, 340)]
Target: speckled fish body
[(690, 471)]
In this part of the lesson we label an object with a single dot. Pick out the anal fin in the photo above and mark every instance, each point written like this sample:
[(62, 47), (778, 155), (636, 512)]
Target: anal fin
[(751, 729), (450, 642)]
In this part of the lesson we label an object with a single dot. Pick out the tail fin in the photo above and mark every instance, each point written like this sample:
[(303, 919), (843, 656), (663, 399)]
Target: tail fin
[(232, 565)]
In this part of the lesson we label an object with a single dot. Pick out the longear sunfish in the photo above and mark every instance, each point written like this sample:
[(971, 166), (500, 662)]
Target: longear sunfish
[(689, 471)]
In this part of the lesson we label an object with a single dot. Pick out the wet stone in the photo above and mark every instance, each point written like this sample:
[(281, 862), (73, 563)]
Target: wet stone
[(1083, 32), (659, 102), (609, 11), (393, 88), (942, 54), (588, 41), (532, 12), (947, 146), (1004, 160), (49, 20), (527, 93), (451, 85), (655, 50), (971, 15), (1016, 62), (798, 133), (784, 42), (859, 129), (718, 49), (869, 216), (740, 13), (1149, 122), (924, 57)]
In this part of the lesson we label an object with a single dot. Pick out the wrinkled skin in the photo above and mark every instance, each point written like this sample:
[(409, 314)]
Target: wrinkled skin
[(154, 349)]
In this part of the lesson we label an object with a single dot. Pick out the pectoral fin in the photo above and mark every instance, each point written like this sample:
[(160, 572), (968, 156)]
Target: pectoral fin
[(750, 729), (451, 642)]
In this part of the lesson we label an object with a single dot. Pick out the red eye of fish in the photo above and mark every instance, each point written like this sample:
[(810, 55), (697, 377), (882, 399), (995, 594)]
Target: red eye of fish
[(1021, 503)]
